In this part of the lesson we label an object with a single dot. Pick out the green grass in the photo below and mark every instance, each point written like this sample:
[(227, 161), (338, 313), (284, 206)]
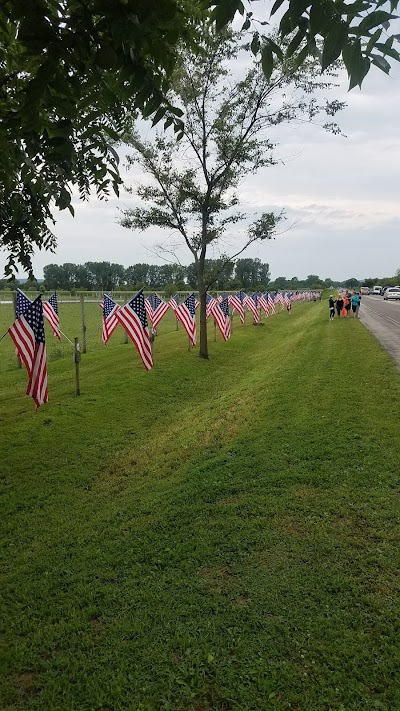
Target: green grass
[(209, 536)]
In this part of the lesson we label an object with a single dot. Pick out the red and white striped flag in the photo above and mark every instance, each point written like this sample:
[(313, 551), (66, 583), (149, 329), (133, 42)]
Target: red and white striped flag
[(237, 302), (186, 313), (220, 312), (252, 304), (27, 333), (50, 311), (156, 308), (263, 301), (271, 303), (174, 302), (279, 297), (110, 321), (210, 301), (133, 318)]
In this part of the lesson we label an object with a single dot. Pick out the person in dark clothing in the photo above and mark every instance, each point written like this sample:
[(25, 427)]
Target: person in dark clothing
[(339, 305), (331, 307)]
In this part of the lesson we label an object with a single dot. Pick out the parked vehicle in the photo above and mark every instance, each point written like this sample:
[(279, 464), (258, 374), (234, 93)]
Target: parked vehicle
[(393, 292), (364, 290), (377, 290)]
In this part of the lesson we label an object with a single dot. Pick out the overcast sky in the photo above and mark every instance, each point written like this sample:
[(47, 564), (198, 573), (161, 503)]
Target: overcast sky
[(340, 194)]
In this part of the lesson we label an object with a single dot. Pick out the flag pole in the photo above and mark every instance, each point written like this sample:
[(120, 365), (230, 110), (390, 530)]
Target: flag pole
[(91, 334), (68, 339), (6, 334), (215, 331)]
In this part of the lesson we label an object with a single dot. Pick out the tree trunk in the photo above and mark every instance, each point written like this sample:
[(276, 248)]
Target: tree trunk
[(203, 353)]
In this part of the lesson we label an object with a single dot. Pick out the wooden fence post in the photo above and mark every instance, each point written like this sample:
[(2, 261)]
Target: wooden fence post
[(83, 323), (77, 360), (14, 296)]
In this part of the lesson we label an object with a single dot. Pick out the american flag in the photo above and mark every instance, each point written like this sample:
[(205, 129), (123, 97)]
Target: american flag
[(237, 302), (263, 301), (186, 313), (133, 318), (279, 297), (101, 303), (210, 301), (174, 302), (271, 303), (156, 308), (220, 311), (50, 311), (196, 303), (27, 333), (110, 321), (252, 305), (22, 304)]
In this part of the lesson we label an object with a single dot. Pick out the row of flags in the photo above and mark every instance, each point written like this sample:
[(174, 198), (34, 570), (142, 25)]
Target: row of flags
[(27, 332)]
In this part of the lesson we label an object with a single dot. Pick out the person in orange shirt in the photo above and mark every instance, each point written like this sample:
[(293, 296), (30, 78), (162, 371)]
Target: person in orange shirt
[(346, 305)]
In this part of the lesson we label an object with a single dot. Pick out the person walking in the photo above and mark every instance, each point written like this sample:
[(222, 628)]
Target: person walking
[(358, 304), (347, 304), (331, 308), (355, 304), (339, 304)]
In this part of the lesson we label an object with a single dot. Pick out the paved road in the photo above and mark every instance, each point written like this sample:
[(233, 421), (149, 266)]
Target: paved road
[(382, 318)]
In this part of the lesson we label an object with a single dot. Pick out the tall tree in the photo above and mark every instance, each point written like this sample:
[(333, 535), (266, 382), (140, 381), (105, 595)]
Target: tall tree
[(70, 69), (252, 273), (223, 139)]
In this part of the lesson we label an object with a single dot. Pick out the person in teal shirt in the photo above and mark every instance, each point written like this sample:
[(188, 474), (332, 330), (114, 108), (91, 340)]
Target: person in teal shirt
[(355, 304)]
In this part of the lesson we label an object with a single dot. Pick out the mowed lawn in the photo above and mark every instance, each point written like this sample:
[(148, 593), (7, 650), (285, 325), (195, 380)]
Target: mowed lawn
[(216, 535)]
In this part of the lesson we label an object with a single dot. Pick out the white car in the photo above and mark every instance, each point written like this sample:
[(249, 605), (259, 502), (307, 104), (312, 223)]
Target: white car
[(393, 292)]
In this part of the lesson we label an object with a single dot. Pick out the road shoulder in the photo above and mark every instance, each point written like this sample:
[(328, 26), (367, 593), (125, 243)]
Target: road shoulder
[(385, 331)]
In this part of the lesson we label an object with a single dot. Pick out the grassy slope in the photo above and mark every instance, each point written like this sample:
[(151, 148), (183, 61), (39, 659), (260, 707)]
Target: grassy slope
[(208, 536)]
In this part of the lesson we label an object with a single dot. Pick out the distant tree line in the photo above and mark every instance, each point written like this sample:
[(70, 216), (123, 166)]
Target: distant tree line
[(244, 274), (105, 276)]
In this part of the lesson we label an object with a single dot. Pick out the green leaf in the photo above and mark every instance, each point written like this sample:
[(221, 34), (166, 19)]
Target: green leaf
[(246, 25), (372, 20), (224, 12), (255, 43), (296, 9), (355, 8), (159, 115), (295, 43), (175, 110), (356, 64), (333, 43), (300, 58), (168, 122), (385, 49), (319, 17), (373, 39), (276, 6), (275, 48), (381, 62), (267, 61), (285, 25)]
